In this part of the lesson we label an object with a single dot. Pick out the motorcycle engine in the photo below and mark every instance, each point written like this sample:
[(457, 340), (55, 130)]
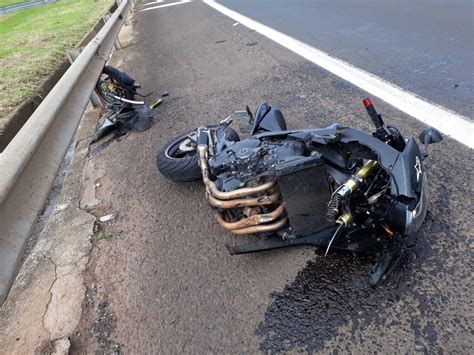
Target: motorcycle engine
[(300, 181), (243, 163)]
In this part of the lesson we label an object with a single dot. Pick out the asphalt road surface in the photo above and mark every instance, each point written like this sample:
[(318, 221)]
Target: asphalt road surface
[(426, 47), (165, 281)]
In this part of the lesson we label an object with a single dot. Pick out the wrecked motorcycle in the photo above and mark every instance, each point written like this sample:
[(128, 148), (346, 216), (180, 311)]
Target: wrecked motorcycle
[(336, 187), (117, 91)]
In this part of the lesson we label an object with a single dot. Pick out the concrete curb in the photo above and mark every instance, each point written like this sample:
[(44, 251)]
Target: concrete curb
[(44, 304)]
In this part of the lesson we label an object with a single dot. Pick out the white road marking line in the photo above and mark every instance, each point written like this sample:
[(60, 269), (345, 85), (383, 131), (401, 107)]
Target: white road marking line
[(166, 5), (235, 24), (152, 3), (448, 122)]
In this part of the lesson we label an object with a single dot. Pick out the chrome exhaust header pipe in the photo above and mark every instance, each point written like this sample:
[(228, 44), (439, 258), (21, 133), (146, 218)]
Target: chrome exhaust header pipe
[(242, 198), (244, 202), (261, 228), (254, 220)]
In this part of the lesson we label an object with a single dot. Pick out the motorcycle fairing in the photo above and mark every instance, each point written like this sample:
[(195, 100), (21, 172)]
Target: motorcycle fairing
[(268, 119), (401, 166), (407, 182)]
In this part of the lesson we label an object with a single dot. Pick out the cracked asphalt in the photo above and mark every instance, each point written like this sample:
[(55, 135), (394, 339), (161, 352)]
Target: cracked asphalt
[(163, 281)]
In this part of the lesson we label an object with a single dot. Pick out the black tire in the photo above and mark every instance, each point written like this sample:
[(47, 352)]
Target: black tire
[(182, 165)]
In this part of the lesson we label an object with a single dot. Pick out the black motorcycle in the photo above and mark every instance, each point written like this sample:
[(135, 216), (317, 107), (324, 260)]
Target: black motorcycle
[(335, 187)]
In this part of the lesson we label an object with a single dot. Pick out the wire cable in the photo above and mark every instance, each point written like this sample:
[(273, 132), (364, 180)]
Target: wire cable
[(333, 237)]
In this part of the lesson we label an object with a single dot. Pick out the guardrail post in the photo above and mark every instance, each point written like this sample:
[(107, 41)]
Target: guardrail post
[(127, 22), (72, 54)]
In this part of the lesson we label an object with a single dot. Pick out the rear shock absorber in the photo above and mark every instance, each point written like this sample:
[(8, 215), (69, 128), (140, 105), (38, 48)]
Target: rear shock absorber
[(351, 185)]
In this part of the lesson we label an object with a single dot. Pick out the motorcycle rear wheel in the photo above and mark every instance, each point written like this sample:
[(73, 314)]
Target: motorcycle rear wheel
[(177, 160)]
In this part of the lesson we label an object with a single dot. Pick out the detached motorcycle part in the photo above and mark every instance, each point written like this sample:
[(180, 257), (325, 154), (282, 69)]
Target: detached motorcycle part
[(114, 81), (106, 125), (385, 265), (123, 116), (177, 160), (115, 119), (156, 103)]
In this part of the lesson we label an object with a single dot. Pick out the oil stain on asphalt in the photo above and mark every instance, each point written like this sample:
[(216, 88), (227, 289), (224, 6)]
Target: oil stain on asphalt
[(328, 293), (420, 299)]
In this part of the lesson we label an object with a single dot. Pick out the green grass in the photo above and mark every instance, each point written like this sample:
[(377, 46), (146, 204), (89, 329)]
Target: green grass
[(33, 42), (103, 234), (10, 2)]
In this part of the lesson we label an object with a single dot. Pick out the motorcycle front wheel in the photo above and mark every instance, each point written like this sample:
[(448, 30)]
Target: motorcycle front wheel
[(177, 160)]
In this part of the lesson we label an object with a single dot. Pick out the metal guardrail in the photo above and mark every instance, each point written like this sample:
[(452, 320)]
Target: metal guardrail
[(30, 162), (23, 6)]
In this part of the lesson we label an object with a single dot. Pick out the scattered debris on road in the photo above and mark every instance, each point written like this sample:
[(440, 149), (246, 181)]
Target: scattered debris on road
[(107, 218), (102, 329)]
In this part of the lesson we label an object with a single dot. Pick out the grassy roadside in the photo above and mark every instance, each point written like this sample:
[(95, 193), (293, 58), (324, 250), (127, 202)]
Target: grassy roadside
[(33, 42), (10, 2)]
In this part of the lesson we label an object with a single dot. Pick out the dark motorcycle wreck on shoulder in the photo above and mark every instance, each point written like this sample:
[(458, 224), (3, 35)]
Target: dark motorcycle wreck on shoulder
[(336, 187)]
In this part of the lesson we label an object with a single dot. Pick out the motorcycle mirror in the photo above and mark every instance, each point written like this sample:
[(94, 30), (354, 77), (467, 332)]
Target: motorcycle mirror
[(429, 135)]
